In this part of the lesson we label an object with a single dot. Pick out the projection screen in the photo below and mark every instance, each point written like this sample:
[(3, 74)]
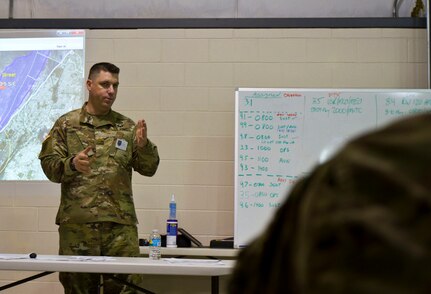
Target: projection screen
[(41, 78)]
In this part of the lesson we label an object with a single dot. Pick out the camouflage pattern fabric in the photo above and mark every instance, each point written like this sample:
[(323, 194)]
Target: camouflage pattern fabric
[(106, 193), (97, 213), (359, 223), (104, 239)]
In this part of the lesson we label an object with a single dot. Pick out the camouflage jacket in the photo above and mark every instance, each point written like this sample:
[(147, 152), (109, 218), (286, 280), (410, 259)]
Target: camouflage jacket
[(359, 223), (105, 194)]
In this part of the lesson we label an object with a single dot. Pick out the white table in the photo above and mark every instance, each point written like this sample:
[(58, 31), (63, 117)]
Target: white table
[(224, 253), (117, 265)]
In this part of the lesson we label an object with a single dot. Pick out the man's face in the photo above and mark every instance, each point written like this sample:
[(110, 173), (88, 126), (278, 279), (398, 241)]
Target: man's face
[(102, 89)]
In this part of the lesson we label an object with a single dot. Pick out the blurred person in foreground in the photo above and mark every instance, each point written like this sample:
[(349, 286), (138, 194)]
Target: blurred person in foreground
[(92, 152), (359, 223)]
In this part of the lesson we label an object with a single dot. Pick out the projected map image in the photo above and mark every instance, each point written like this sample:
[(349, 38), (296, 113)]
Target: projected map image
[(36, 87)]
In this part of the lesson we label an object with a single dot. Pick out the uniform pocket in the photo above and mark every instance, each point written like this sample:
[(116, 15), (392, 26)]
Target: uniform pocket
[(76, 143), (121, 151)]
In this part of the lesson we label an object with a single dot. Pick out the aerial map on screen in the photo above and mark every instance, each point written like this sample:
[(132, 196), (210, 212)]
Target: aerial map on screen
[(41, 78)]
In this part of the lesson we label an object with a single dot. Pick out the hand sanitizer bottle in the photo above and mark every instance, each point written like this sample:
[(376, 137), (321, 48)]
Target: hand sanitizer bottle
[(172, 224)]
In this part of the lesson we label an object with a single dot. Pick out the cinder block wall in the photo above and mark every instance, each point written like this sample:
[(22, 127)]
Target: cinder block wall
[(182, 81)]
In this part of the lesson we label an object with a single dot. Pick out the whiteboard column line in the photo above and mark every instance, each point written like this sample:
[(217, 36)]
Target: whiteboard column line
[(303, 122), (377, 107), (428, 42)]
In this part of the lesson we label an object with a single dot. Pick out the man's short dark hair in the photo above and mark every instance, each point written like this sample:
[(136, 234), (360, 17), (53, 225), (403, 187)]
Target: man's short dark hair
[(103, 66)]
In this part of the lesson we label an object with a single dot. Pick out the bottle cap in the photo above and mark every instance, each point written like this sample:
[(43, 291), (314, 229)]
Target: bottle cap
[(173, 198)]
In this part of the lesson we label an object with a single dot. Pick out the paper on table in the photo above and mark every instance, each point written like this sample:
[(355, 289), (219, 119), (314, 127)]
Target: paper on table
[(78, 258), (57, 257), (193, 261), (14, 256)]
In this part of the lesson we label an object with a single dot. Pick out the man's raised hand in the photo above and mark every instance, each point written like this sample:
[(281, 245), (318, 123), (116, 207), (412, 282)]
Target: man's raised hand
[(141, 133)]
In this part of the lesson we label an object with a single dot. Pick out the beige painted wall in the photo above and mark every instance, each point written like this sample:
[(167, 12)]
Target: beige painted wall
[(182, 81), (203, 8)]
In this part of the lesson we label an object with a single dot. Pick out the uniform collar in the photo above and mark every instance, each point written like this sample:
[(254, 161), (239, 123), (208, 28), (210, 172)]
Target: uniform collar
[(96, 120)]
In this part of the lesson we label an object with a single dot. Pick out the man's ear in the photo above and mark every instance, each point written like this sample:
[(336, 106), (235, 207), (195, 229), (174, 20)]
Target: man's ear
[(89, 83)]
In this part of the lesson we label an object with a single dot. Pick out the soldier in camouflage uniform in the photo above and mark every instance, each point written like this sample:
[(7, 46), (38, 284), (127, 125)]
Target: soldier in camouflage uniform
[(92, 151), (359, 223)]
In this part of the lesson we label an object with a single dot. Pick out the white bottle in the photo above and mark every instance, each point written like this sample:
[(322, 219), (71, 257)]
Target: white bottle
[(172, 208), (172, 224), (155, 244)]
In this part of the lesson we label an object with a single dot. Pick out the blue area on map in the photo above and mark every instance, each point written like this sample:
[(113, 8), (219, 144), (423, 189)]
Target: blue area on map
[(26, 70)]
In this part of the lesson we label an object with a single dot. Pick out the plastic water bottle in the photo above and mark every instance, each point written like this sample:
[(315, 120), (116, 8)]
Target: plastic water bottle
[(155, 244), (172, 224)]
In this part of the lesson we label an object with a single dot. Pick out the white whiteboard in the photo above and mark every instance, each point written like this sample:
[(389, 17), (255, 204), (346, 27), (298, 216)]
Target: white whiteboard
[(281, 134)]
